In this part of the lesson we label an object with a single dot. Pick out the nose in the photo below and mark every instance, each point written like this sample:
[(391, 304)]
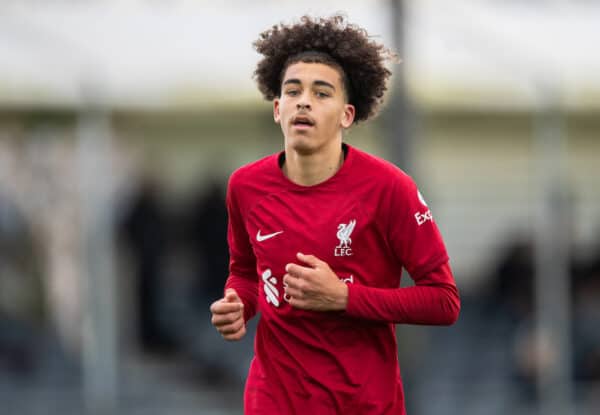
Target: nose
[(303, 100)]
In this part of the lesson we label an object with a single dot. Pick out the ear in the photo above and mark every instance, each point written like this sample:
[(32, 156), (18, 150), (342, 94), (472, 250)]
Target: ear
[(348, 115), (276, 115)]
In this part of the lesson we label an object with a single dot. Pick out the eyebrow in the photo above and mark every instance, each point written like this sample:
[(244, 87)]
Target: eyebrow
[(317, 82)]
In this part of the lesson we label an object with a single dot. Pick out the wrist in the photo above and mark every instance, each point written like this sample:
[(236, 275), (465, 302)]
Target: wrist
[(342, 298)]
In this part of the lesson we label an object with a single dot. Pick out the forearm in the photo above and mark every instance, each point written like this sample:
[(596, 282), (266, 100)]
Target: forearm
[(430, 302), (410, 305), (247, 290)]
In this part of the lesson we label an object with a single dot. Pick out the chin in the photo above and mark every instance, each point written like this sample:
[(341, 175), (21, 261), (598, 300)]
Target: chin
[(302, 145)]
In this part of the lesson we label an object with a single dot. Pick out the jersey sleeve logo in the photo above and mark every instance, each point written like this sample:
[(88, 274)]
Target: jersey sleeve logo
[(421, 199), (422, 217), (343, 234)]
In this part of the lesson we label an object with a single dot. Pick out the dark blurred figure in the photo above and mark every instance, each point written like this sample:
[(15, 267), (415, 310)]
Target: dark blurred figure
[(222, 364), (209, 238), (144, 227), (586, 321), (512, 297), (512, 281), (21, 296), (511, 301)]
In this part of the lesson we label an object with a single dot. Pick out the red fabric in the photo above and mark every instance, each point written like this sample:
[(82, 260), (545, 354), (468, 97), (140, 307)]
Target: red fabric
[(434, 300), (368, 222)]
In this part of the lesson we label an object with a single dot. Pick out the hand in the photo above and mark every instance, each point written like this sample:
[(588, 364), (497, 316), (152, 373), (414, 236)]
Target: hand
[(314, 286), (228, 316)]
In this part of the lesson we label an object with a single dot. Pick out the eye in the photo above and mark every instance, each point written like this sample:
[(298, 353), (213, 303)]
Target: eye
[(322, 94), (292, 92)]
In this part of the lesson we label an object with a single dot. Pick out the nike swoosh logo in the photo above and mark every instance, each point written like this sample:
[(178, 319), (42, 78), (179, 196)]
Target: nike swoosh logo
[(261, 238)]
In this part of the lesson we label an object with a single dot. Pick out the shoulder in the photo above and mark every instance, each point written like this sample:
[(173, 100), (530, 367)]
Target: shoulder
[(385, 189), (380, 171), (253, 181), (254, 172)]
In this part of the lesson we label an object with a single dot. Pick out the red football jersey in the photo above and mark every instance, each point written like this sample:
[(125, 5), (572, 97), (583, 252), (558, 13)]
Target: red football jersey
[(367, 222)]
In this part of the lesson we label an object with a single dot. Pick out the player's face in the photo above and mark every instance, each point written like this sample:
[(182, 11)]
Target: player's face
[(312, 109)]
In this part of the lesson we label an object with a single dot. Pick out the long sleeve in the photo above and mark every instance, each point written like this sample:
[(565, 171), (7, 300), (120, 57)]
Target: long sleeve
[(242, 262), (417, 245), (433, 300)]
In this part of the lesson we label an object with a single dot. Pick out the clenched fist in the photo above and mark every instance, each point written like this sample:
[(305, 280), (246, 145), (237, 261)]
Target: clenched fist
[(228, 316), (314, 286)]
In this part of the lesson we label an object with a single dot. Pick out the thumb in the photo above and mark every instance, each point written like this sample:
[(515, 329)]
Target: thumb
[(231, 296)]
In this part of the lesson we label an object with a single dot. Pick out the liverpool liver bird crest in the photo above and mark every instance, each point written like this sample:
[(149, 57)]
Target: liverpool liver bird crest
[(343, 233)]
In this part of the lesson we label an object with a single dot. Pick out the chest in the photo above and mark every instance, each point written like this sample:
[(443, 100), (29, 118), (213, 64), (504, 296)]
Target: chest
[(333, 227)]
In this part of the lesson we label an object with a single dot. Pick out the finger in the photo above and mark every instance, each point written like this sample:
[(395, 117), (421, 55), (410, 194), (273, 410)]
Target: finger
[(310, 260), (298, 303), (235, 336), (294, 292), (297, 271), (232, 328), (223, 307), (216, 305), (294, 285), (290, 280), (218, 320)]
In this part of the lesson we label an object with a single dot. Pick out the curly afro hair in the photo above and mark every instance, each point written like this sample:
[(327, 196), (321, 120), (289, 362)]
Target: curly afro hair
[(333, 42)]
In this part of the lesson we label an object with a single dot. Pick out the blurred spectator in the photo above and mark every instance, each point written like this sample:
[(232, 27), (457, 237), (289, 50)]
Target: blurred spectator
[(511, 283), (586, 322), (144, 227), (21, 299), (209, 239), (223, 364), (511, 296)]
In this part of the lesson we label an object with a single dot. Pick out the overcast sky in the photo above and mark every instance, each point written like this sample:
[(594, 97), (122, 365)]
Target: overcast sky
[(158, 53)]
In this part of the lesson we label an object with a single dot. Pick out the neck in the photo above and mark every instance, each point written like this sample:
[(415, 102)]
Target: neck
[(312, 169)]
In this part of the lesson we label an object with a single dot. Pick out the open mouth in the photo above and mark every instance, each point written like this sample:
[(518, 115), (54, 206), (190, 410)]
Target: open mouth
[(302, 122)]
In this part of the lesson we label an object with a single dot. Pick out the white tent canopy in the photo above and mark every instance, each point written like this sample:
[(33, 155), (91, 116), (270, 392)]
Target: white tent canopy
[(188, 54)]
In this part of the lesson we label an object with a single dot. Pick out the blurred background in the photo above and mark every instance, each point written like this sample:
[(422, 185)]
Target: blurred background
[(121, 120)]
